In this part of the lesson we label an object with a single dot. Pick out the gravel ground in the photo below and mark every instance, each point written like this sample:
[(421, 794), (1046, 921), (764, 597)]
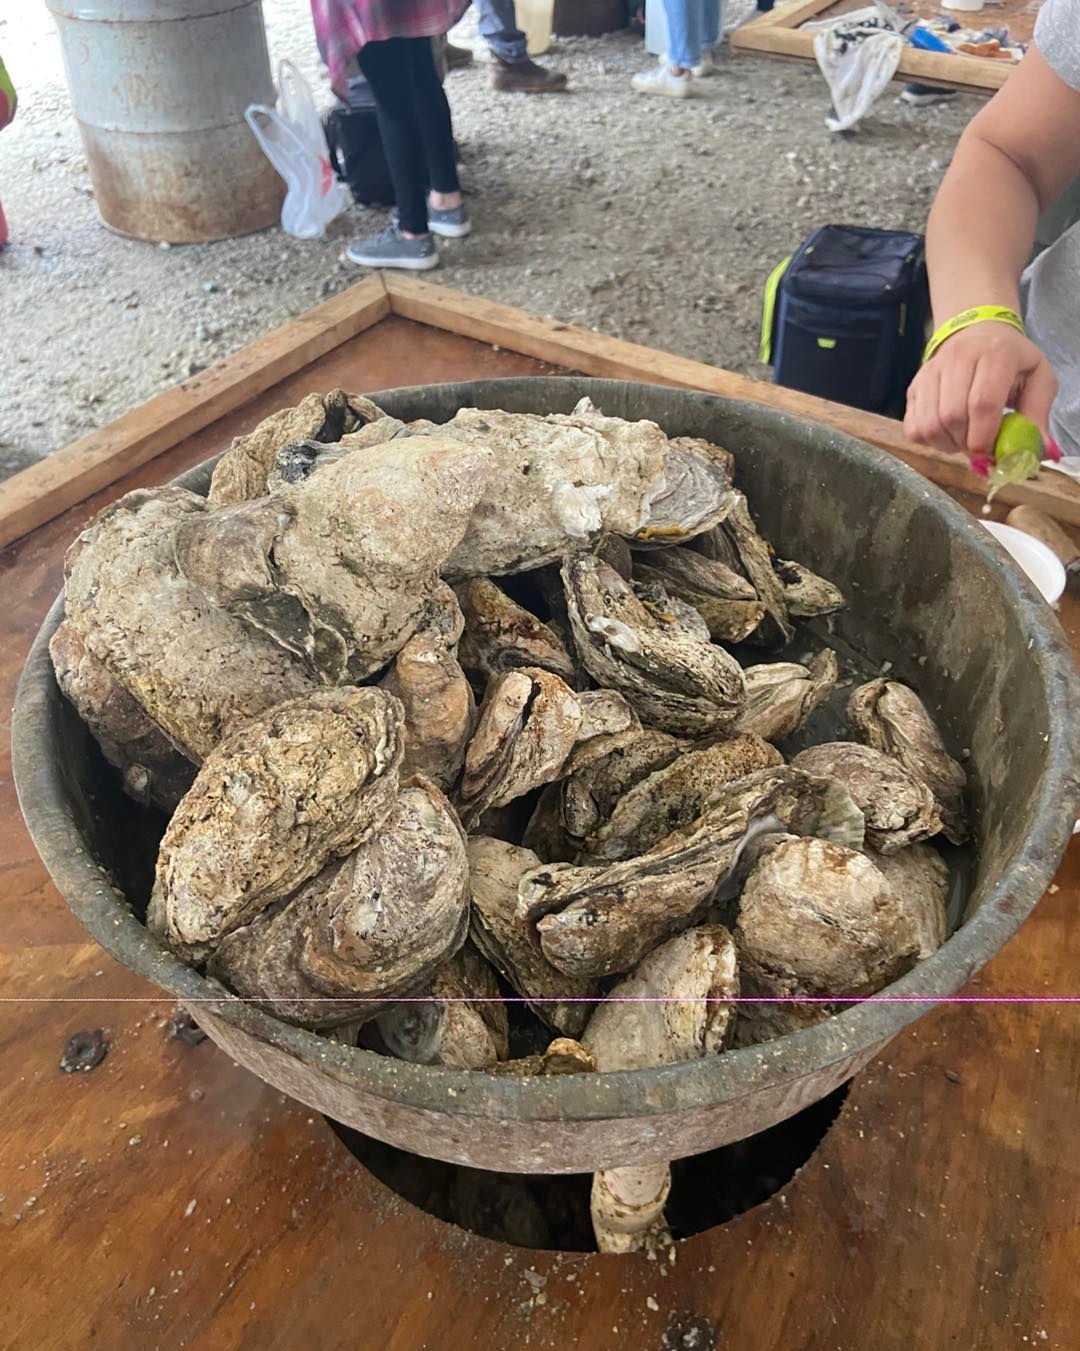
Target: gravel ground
[(648, 219)]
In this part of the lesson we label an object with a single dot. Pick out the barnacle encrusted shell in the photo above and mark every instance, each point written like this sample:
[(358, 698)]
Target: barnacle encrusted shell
[(780, 696), (672, 682), (364, 931), (501, 635), (725, 600), (463, 1026), (152, 769), (440, 712), (601, 920), (339, 568), (677, 794), (899, 808), (676, 1004), (528, 725), (919, 876), (196, 670), (808, 596), (816, 919), (892, 718), (501, 933), (280, 797), (242, 471)]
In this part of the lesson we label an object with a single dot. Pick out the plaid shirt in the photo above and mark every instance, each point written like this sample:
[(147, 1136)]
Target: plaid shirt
[(342, 27)]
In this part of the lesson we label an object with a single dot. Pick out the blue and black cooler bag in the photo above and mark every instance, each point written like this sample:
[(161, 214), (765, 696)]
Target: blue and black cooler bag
[(845, 316)]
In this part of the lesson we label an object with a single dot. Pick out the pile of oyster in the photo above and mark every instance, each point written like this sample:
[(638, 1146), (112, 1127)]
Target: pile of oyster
[(456, 751)]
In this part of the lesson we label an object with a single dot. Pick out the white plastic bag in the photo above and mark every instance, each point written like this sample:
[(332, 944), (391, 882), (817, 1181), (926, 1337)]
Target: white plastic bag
[(858, 59), (292, 138)]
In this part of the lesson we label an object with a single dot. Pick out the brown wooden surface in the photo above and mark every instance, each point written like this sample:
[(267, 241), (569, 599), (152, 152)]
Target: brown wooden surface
[(778, 33), (170, 1200)]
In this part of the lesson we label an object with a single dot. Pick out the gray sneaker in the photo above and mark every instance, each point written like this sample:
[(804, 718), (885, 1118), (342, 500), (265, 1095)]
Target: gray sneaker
[(451, 223), (391, 249)]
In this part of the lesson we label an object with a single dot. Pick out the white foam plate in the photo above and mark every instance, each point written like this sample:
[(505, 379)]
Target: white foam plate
[(1040, 563)]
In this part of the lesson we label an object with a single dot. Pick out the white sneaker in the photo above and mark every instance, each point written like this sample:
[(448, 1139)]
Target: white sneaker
[(660, 80), (707, 67)]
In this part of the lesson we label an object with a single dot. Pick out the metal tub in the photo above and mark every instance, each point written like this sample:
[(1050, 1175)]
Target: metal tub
[(924, 580)]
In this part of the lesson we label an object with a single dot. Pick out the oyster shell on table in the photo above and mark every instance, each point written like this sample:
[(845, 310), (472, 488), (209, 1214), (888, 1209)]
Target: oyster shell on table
[(816, 919), (672, 682), (440, 711), (462, 1027), (677, 1004), (601, 920), (152, 769), (808, 595), (781, 695), (677, 794), (671, 613), (564, 480), (899, 808), (242, 472), (362, 932), (892, 718), (723, 598), (339, 568), (529, 723), (919, 877), (287, 792), (501, 635), (197, 671), (500, 933)]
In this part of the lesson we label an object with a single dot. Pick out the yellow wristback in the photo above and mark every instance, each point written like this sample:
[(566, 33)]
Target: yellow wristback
[(979, 314)]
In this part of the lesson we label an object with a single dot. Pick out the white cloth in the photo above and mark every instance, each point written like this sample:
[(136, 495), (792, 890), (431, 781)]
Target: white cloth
[(858, 54)]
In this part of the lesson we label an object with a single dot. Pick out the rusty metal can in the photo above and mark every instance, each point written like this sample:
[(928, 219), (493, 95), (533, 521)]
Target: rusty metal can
[(159, 89)]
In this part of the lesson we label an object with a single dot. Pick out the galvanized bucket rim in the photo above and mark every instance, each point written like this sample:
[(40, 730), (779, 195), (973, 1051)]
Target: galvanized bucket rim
[(623, 1094)]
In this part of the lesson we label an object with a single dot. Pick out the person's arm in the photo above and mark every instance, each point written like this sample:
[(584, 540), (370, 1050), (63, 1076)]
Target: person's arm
[(1015, 159)]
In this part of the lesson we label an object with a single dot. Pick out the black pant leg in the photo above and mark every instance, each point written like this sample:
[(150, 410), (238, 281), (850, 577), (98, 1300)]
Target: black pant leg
[(387, 66), (433, 117)]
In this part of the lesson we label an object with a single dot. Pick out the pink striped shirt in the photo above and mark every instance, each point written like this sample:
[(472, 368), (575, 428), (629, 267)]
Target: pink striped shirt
[(342, 27)]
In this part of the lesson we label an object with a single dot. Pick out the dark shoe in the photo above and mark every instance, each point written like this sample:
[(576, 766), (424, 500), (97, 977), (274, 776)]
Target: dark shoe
[(392, 249), (925, 95), (456, 57), (525, 77)]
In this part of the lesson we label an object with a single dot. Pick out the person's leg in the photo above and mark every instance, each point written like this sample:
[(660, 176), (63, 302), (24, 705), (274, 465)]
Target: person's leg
[(387, 67), (672, 77), (498, 27), (513, 70), (711, 31), (433, 122)]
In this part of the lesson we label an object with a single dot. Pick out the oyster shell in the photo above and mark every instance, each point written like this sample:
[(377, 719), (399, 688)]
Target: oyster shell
[(606, 720), (528, 725), (242, 471), (725, 600), (816, 919), (892, 718), (440, 712), (672, 682), (899, 808), (808, 595), (920, 880), (501, 635), (671, 613), (463, 1026), (279, 798), (363, 932), (601, 920), (781, 695), (297, 461), (676, 795), (567, 479), (197, 671), (153, 770), (563, 1056), (676, 1004), (596, 782), (755, 560), (499, 932), (442, 616), (339, 568)]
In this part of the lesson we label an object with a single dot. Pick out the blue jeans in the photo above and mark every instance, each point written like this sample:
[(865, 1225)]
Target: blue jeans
[(693, 28), (498, 27)]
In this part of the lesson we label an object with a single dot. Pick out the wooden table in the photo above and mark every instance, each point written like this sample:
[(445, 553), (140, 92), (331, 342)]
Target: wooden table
[(169, 1199)]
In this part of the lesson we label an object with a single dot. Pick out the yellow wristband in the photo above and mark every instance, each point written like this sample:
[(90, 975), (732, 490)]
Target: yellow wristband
[(979, 314)]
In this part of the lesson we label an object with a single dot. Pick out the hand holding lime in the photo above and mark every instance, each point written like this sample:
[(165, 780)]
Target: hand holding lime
[(1018, 451)]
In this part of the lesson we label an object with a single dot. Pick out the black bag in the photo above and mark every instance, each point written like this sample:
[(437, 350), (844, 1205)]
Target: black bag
[(846, 316), (356, 152)]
